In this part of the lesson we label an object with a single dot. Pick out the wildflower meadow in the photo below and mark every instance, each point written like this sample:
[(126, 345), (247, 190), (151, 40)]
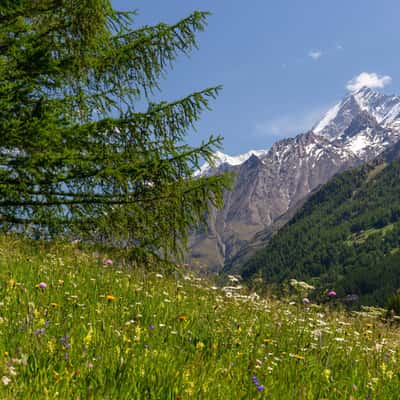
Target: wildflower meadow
[(79, 326)]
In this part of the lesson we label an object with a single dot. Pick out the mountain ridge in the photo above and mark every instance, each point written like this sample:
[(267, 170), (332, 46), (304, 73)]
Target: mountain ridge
[(354, 131)]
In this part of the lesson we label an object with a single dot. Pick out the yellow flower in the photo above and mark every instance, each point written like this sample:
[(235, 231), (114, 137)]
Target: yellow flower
[(126, 339), (12, 282), (110, 298), (298, 357), (89, 337), (51, 345), (327, 373), (200, 346), (42, 322)]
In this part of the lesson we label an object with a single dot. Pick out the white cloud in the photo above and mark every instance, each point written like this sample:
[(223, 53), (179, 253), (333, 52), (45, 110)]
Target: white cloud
[(370, 80), (315, 55), (290, 124)]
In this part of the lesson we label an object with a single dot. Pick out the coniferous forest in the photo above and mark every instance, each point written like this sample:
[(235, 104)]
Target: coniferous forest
[(346, 236)]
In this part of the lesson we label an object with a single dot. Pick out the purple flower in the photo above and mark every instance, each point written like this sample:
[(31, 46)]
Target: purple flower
[(42, 285), (152, 327), (64, 339), (255, 380), (331, 293), (260, 387), (40, 331)]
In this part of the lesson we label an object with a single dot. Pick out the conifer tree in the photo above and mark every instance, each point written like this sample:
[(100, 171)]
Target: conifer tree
[(78, 155)]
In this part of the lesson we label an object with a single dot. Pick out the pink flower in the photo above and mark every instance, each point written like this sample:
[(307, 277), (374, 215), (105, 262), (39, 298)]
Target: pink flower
[(306, 300), (42, 285), (108, 261), (331, 293)]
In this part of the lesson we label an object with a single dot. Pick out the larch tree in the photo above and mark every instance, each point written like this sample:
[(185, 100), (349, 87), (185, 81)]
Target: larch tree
[(78, 156)]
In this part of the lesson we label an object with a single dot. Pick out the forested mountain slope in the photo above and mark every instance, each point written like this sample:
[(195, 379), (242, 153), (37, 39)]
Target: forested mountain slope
[(346, 236), (274, 182)]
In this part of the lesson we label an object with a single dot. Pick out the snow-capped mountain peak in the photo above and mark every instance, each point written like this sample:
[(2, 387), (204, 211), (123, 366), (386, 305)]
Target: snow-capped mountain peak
[(380, 108), (222, 158), (361, 125), (385, 109)]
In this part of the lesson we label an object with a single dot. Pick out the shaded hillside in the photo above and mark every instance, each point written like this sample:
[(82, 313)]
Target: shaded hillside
[(261, 239), (346, 236)]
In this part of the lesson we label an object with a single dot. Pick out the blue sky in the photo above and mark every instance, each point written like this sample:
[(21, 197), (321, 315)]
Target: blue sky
[(281, 63)]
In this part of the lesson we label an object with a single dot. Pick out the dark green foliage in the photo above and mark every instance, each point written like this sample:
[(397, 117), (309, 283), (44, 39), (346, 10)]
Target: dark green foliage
[(76, 154), (347, 237), (393, 303)]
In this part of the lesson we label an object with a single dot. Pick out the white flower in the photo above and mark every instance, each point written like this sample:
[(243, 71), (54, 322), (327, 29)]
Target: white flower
[(233, 278), (6, 380)]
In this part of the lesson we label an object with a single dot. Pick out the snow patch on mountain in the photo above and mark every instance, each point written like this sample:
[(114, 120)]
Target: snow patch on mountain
[(328, 118), (222, 158), (358, 144)]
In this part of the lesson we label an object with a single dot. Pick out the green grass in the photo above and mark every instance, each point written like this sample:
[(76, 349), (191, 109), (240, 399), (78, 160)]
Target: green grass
[(174, 336), (376, 171), (363, 236)]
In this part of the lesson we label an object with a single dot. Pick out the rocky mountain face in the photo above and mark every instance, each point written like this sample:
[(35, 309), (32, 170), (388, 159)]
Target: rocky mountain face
[(270, 184)]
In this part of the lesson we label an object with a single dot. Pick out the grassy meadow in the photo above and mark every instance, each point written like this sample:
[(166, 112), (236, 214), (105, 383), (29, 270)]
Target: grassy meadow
[(78, 326)]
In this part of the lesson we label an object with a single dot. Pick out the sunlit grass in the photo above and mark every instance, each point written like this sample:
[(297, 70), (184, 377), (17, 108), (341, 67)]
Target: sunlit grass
[(73, 326)]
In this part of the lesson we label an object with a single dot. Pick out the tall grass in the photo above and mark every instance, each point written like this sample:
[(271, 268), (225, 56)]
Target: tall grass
[(72, 327)]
